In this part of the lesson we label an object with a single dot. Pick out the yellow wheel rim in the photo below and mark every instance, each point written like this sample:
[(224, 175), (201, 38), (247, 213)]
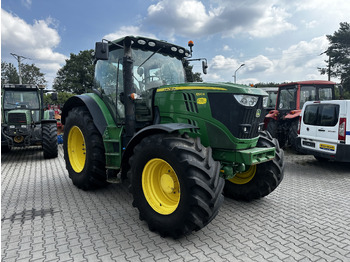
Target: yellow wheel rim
[(76, 149), (161, 186), (244, 177)]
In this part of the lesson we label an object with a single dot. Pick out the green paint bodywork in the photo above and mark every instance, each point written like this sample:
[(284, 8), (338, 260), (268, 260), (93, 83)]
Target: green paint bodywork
[(226, 148), (46, 115), (112, 136), (213, 133)]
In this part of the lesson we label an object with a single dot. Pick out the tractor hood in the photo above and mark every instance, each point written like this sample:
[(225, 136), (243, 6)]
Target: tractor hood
[(217, 87), (19, 116)]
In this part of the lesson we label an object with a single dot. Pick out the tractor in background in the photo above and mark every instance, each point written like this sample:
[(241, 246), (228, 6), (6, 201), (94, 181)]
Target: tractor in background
[(24, 122), (282, 122)]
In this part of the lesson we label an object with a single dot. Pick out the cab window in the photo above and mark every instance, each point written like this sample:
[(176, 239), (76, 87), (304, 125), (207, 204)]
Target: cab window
[(307, 93), (325, 93), (287, 98)]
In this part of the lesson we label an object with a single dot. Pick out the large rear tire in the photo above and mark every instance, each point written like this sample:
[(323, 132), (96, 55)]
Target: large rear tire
[(49, 140), (84, 150), (272, 128), (293, 135), (259, 180), (175, 184)]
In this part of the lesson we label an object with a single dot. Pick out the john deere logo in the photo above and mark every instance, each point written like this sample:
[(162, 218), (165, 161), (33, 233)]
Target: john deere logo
[(201, 101), (258, 113)]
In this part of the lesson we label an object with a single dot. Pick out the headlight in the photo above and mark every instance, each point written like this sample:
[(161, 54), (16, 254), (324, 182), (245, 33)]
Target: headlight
[(265, 100), (246, 100)]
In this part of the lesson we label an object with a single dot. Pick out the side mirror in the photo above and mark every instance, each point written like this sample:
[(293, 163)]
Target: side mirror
[(54, 96), (205, 66), (101, 51)]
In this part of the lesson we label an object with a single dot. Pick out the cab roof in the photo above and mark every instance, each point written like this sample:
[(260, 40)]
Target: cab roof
[(309, 82), (149, 44)]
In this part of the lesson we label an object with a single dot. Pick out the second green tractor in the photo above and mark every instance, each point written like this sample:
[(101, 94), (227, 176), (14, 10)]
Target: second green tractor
[(180, 145)]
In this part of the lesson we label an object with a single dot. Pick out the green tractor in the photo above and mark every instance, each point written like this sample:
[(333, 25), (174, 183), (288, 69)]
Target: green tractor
[(180, 145), (24, 121)]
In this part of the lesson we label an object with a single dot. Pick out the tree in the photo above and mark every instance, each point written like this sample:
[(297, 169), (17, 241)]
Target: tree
[(338, 64), (62, 97), (9, 73), (77, 75), (269, 84), (30, 74), (190, 76)]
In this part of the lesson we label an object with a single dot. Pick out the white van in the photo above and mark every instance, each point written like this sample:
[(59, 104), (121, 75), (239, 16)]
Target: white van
[(324, 130)]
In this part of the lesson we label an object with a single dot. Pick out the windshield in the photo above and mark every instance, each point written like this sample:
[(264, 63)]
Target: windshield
[(155, 69), (21, 99), (287, 98), (150, 70), (14, 99)]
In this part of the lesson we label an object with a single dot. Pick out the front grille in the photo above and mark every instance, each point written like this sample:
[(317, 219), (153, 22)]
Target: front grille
[(242, 121), (17, 118)]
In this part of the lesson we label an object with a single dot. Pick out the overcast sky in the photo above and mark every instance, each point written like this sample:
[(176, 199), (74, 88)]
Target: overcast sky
[(277, 40)]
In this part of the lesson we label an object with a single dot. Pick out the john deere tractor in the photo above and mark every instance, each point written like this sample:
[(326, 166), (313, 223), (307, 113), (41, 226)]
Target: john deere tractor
[(24, 121), (180, 145)]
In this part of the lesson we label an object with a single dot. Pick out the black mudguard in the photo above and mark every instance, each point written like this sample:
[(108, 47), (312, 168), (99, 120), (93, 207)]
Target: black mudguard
[(147, 131), (95, 111)]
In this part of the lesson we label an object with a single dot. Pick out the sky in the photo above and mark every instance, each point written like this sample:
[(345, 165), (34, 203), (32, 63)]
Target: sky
[(276, 40)]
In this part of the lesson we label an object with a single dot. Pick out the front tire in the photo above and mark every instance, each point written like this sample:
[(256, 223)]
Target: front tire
[(175, 184), (49, 140), (259, 180), (84, 150)]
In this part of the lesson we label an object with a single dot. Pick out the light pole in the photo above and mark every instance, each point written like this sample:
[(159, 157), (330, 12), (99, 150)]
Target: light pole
[(234, 76), (18, 58)]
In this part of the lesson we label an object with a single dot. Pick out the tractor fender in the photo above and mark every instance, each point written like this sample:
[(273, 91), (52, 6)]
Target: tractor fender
[(94, 109), (273, 114), (293, 114), (147, 131)]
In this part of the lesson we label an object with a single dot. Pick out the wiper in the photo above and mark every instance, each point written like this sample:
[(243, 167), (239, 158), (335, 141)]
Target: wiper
[(148, 58)]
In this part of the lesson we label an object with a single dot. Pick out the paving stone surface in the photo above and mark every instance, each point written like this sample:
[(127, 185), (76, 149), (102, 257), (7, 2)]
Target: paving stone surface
[(45, 218)]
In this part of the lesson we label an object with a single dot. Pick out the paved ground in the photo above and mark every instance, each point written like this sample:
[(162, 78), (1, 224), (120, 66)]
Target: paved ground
[(45, 218)]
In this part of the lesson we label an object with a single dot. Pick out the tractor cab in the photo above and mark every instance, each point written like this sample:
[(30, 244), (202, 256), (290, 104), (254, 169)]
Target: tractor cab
[(20, 99), (154, 64)]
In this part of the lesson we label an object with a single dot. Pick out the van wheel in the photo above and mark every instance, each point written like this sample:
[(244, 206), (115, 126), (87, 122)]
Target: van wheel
[(321, 159), (258, 180)]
